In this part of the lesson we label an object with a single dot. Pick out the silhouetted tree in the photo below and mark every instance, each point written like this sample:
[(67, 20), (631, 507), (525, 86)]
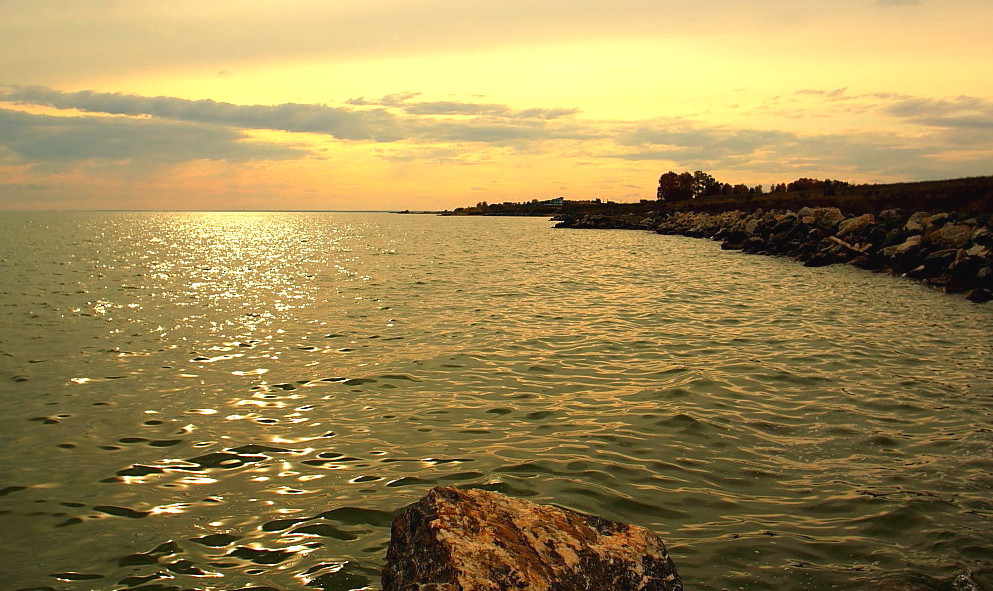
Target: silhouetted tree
[(740, 189), (675, 187), (705, 185), (804, 184)]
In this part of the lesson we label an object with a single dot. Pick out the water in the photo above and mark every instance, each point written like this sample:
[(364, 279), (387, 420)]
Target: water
[(244, 400)]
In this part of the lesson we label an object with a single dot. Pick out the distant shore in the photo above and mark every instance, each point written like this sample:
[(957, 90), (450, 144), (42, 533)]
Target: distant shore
[(965, 197)]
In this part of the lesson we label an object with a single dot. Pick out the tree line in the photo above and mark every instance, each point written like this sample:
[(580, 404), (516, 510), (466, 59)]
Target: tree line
[(675, 186)]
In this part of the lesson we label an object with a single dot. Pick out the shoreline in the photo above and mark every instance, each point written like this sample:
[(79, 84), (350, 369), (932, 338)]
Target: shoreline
[(941, 250)]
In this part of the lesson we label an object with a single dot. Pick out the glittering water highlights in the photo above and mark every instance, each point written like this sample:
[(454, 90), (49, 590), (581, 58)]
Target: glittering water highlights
[(236, 400)]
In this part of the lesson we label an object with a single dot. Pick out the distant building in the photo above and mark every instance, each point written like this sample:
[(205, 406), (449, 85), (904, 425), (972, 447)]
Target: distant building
[(557, 201)]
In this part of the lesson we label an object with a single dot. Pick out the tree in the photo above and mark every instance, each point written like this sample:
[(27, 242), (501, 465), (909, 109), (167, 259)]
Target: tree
[(705, 185), (675, 187), (804, 184)]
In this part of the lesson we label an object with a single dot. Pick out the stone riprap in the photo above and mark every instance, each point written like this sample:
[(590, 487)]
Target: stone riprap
[(462, 540), (939, 249)]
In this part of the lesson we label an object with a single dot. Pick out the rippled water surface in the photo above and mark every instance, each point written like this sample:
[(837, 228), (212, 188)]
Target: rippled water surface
[(235, 400)]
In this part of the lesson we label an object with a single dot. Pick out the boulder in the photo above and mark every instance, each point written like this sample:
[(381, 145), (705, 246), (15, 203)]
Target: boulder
[(827, 218), (982, 236), (936, 221), (978, 250), (951, 235), (454, 540), (985, 276), (915, 223), (908, 246), (891, 219), (825, 257), (855, 225), (753, 245), (941, 259), (734, 240), (751, 226), (894, 237)]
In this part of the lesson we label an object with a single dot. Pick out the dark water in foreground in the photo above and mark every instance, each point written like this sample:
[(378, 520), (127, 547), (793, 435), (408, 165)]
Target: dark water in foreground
[(224, 401)]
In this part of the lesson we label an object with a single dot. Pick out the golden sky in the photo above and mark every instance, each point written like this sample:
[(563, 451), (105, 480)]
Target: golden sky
[(432, 104)]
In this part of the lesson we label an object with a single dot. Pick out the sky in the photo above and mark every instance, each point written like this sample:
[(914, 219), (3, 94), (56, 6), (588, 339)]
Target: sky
[(436, 104)]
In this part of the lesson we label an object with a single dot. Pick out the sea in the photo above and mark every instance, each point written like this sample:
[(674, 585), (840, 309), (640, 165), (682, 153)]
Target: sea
[(245, 400)]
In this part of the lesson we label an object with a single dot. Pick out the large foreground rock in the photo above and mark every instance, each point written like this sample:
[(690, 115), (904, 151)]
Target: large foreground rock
[(475, 540)]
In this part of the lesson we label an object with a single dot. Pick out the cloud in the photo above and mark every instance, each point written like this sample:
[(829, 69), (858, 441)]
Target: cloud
[(479, 109), (836, 94), (418, 122), (349, 124), (909, 136), (505, 131), (714, 142), (918, 106), (402, 100), (690, 146), (959, 121), (390, 100), (50, 139)]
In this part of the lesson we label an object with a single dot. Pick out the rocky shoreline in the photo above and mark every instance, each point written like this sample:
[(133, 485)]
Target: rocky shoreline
[(939, 249)]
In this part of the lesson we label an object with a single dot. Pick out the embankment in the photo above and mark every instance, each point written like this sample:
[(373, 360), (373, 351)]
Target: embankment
[(940, 249)]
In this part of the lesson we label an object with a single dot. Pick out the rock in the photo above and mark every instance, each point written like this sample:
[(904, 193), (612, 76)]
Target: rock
[(827, 218), (866, 262), (894, 237), (915, 223), (936, 221), (785, 225), (821, 259), (855, 225), (965, 267), (951, 235), (908, 246), (940, 260), (753, 245), (734, 240), (979, 250), (454, 540), (979, 295), (918, 272), (891, 219), (982, 236), (985, 276)]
